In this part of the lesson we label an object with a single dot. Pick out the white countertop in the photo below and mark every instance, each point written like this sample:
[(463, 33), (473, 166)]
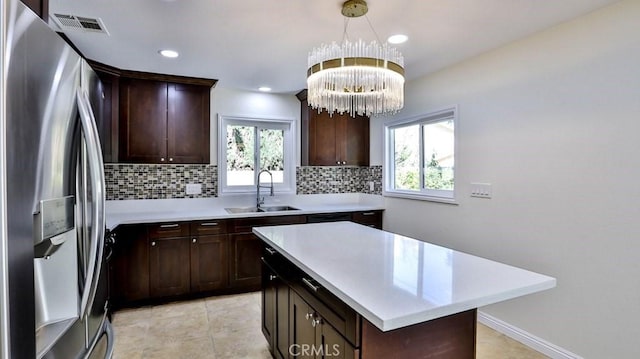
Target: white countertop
[(395, 281), (188, 209)]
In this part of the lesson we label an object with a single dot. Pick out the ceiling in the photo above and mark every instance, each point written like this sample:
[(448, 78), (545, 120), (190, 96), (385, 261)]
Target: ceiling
[(250, 43)]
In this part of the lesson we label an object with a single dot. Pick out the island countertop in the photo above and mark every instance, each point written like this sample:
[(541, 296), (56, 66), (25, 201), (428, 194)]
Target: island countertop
[(395, 281)]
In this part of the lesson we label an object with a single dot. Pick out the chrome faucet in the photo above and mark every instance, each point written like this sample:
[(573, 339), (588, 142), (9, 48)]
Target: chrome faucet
[(260, 201)]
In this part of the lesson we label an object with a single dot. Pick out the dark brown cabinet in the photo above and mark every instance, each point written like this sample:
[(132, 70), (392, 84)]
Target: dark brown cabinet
[(163, 122), (338, 140), (209, 255), (40, 7), (169, 267), (335, 140), (245, 253), (312, 336), (246, 249), (368, 218), (130, 265), (275, 316)]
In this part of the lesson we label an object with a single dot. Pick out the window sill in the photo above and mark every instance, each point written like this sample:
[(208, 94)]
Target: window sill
[(420, 197)]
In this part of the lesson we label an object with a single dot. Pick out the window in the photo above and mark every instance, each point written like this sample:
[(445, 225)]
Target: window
[(247, 146), (420, 155)]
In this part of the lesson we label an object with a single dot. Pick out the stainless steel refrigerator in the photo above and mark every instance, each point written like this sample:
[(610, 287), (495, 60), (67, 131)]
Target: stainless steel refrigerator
[(53, 277)]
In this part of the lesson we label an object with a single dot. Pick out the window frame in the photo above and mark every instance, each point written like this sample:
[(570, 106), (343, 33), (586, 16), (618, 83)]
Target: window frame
[(389, 190), (287, 124)]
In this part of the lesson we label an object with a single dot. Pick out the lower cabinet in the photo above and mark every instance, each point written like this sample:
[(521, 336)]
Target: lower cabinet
[(275, 314), (169, 272), (245, 253), (294, 328), (130, 265), (209, 268), (311, 336)]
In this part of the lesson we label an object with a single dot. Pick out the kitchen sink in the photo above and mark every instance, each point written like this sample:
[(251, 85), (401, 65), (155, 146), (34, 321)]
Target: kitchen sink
[(276, 208), (261, 209)]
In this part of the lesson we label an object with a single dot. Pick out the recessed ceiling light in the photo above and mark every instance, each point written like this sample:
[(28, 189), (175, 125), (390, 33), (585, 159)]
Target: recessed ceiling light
[(397, 39), (169, 53), (264, 89)]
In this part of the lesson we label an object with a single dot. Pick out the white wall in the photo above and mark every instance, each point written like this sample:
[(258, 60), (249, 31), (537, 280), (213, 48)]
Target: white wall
[(553, 122), (252, 104)]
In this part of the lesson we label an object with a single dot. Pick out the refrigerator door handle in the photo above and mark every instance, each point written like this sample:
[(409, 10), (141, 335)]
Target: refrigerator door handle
[(96, 173)]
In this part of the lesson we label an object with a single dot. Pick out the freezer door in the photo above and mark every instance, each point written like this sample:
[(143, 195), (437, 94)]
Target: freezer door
[(41, 74)]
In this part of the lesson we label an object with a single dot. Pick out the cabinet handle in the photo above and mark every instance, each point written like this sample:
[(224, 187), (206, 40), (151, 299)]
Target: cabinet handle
[(309, 315), (161, 159), (368, 213), (344, 162), (270, 250), (170, 159), (194, 240), (175, 225), (316, 321), (272, 276), (209, 224), (153, 244), (308, 283)]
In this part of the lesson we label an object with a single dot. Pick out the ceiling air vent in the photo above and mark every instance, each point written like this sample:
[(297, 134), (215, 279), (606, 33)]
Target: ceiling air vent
[(80, 23)]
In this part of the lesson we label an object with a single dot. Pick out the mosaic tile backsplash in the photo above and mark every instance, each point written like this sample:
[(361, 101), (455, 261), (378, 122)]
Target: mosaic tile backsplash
[(338, 179), (142, 181)]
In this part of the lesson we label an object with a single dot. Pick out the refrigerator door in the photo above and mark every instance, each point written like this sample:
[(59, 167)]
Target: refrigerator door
[(41, 74)]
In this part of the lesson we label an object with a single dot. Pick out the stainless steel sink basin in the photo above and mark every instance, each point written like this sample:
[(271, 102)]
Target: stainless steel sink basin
[(242, 210), (276, 208), (261, 209)]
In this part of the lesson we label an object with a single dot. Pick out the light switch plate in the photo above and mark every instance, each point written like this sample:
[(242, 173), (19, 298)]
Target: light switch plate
[(194, 188), (481, 190)]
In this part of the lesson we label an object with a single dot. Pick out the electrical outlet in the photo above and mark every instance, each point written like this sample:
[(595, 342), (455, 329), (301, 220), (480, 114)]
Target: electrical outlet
[(481, 190), (194, 188), (371, 186)]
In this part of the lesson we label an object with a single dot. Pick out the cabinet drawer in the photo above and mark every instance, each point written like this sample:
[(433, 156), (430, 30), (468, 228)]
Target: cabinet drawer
[(242, 225), (214, 226), (169, 229), (335, 312), (368, 218)]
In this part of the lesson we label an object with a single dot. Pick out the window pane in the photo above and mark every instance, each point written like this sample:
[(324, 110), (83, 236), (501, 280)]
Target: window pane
[(240, 155), (438, 155), (272, 153), (407, 157)]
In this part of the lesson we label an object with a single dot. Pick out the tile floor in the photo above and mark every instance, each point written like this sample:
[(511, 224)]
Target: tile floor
[(228, 327)]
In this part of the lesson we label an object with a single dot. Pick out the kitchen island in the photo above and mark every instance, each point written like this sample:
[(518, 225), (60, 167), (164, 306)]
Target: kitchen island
[(367, 293)]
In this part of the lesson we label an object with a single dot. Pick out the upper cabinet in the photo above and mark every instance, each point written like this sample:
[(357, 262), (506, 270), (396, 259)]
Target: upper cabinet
[(154, 118), (40, 7), (337, 140), (163, 122)]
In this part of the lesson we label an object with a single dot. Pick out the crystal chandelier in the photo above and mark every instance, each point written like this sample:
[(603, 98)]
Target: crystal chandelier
[(356, 77)]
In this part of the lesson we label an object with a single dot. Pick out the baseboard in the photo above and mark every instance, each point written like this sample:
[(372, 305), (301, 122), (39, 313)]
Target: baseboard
[(528, 339)]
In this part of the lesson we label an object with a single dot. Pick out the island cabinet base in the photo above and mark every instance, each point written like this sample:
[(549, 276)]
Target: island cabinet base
[(302, 319), (452, 337)]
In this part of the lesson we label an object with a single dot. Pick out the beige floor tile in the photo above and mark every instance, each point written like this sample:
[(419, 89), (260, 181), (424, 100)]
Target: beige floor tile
[(229, 327)]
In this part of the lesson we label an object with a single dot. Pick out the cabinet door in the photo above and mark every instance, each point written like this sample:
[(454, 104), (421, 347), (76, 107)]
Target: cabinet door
[(209, 269), (354, 141), (269, 306), (281, 349), (143, 121), (245, 267), (322, 139), (332, 345), (302, 335), (169, 267), (108, 124), (130, 265), (338, 140), (188, 124)]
